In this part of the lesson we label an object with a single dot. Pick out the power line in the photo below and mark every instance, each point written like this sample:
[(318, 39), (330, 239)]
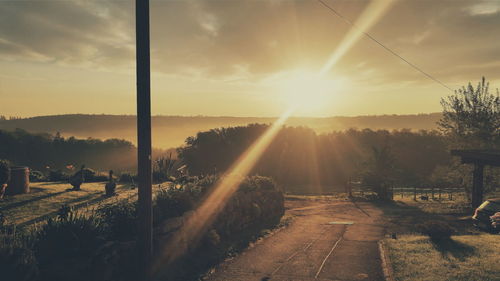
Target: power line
[(385, 47)]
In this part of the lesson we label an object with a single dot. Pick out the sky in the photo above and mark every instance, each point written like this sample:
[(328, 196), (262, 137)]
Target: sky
[(244, 57)]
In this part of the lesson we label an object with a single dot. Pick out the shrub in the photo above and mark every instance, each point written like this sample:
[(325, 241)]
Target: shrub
[(64, 247), (207, 181), (257, 183), (17, 261), (96, 177), (436, 230), (495, 221), (264, 183), (172, 202), (58, 175), (159, 177), (4, 172), (128, 178), (37, 176), (120, 220)]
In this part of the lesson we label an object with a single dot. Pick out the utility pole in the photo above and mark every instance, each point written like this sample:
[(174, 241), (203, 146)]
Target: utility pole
[(145, 224)]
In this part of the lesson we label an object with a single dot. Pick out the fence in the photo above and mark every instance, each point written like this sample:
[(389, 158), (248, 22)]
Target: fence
[(416, 193)]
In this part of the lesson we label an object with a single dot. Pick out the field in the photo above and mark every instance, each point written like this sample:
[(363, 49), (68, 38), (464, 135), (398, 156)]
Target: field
[(46, 198), (470, 255), (465, 258)]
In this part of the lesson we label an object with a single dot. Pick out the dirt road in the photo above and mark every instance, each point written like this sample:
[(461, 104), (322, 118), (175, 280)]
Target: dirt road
[(319, 244)]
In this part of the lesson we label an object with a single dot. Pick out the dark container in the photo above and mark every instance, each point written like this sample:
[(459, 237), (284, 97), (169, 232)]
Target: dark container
[(19, 181)]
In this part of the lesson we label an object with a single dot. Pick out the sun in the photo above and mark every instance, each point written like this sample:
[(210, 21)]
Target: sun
[(306, 91)]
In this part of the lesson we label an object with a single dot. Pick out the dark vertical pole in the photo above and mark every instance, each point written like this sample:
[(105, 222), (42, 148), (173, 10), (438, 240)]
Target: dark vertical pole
[(144, 136), (477, 185)]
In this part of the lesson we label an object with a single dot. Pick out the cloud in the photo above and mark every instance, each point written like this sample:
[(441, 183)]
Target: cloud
[(454, 40), (70, 32)]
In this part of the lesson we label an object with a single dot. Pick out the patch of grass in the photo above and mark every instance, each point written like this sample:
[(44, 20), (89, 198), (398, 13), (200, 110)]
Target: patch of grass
[(327, 197), (459, 205), (466, 257), (46, 198)]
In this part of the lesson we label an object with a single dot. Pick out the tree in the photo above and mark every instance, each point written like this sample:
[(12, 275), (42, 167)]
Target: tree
[(380, 173), (471, 116)]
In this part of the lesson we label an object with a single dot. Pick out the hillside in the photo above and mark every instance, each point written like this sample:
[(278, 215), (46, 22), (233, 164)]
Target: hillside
[(171, 131)]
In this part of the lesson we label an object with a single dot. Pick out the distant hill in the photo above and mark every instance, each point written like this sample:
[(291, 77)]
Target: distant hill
[(171, 131)]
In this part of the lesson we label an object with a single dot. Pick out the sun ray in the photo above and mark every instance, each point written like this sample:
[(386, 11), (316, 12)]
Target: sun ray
[(367, 19), (202, 218), (205, 214)]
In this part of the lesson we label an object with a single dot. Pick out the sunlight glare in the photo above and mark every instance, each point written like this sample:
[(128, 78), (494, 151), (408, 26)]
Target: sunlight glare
[(306, 91), (301, 89), (365, 21), (196, 225)]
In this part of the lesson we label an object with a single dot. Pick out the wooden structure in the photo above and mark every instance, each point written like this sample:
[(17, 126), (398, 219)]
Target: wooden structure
[(19, 181), (479, 158)]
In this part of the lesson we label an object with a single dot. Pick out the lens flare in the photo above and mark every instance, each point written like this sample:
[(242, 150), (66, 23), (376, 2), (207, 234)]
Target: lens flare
[(370, 15), (202, 218)]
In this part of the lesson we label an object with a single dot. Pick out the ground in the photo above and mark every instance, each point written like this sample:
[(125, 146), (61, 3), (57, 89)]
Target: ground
[(327, 240), (464, 258), (470, 255), (45, 200)]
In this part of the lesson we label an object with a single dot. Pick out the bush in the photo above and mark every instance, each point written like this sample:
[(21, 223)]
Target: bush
[(17, 261), (128, 178), (97, 177), (58, 175), (120, 220), (159, 177), (4, 172), (37, 176), (207, 181), (172, 202), (64, 247), (436, 230), (263, 183), (495, 221)]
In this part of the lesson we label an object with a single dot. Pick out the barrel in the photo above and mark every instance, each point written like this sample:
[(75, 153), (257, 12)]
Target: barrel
[(19, 181)]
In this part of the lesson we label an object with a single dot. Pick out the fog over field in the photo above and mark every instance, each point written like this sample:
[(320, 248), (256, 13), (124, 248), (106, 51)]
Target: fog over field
[(171, 131)]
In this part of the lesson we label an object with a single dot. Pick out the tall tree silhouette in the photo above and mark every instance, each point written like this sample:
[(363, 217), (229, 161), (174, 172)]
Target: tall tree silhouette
[(472, 116)]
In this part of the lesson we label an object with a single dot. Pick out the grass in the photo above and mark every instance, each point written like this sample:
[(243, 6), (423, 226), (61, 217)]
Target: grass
[(46, 198), (471, 255), (465, 257)]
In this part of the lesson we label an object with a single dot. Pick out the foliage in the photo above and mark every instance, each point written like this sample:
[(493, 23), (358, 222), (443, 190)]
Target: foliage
[(44, 151), (495, 221), (100, 245), (299, 157), (64, 212), (17, 261), (120, 220), (4, 171), (258, 183), (164, 168), (173, 202), (58, 175), (64, 246), (472, 116), (37, 176), (436, 230), (127, 178), (380, 172)]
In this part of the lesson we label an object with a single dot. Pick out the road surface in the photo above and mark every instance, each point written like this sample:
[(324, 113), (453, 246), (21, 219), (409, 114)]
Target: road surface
[(320, 244)]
